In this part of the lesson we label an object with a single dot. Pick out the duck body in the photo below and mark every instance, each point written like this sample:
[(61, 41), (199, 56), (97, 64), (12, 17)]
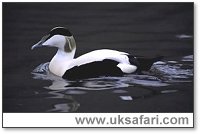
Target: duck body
[(103, 62), (96, 63)]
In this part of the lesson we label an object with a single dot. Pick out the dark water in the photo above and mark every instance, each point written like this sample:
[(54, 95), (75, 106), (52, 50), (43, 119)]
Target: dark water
[(143, 29)]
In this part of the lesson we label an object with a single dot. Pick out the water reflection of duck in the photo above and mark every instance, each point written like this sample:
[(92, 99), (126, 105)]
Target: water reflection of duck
[(103, 62)]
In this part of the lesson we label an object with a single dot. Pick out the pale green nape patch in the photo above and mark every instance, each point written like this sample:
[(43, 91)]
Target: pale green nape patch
[(71, 45)]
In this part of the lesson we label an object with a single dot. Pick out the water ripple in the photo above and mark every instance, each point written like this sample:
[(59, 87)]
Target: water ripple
[(161, 74), (176, 71)]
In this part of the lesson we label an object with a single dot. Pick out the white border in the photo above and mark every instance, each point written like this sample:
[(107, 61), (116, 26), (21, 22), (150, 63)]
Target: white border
[(119, 119), (141, 131)]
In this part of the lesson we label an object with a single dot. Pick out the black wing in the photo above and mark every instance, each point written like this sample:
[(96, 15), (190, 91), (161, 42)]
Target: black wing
[(106, 67)]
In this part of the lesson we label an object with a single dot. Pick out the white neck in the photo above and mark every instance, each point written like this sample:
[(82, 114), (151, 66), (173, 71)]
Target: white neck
[(61, 61)]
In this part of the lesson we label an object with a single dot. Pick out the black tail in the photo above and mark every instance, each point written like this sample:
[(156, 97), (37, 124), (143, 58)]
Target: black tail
[(146, 63)]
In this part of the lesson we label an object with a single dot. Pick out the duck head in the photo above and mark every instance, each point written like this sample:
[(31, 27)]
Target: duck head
[(59, 37)]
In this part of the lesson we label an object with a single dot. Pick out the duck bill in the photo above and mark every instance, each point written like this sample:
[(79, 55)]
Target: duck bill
[(39, 44)]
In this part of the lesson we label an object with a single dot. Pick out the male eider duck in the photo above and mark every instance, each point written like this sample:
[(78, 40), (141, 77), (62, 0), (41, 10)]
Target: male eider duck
[(103, 62)]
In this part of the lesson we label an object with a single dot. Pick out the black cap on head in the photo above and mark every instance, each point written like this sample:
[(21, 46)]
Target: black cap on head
[(60, 31)]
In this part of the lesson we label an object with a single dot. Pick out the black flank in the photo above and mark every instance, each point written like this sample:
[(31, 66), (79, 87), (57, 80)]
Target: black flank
[(106, 67)]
